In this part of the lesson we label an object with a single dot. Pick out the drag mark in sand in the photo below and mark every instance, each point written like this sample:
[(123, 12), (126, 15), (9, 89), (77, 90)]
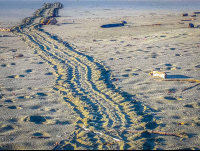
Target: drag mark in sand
[(85, 85)]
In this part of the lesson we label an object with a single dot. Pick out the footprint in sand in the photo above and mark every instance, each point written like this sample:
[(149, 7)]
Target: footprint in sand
[(40, 62), (38, 134), (21, 97), (1, 95), (29, 71), (169, 98), (149, 47), (172, 90), (49, 73), (127, 70), (153, 55), (125, 75), (197, 66), (197, 121), (171, 67), (35, 119), (52, 110), (16, 76), (13, 107), (41, 94), (147, 124), (193, 105), (168, 65), (4, 65), (42, 135), (9, 101), (10, 89), (26, 97), (12, 120), (6, 128), (13, 64), (177, 55)]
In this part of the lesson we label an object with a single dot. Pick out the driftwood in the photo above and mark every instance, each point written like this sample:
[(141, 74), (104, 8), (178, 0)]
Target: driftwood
[(188, 19), (190, 87), (192, 80), (163, 75), (45, 137), (152, 25), (19, 56), (148, 131)]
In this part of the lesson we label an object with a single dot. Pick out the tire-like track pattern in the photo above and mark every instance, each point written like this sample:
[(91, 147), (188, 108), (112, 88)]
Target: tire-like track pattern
[(86, 86)]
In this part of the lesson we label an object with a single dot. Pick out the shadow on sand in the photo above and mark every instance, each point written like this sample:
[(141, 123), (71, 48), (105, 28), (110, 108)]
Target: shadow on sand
[(177, 77)]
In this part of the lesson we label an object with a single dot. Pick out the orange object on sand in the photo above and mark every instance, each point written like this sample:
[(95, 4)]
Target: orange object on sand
[(4, 29)]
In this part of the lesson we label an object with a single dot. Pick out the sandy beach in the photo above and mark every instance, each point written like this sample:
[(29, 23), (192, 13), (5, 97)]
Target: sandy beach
[(76, 85)]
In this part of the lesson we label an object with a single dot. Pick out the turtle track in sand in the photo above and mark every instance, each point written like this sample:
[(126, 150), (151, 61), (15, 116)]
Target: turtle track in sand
[(86, 86)]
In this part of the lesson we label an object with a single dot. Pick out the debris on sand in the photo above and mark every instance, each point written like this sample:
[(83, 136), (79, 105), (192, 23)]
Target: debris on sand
[(159, 24), (4, 29), (185, 14), (49, 21), (158, 74)]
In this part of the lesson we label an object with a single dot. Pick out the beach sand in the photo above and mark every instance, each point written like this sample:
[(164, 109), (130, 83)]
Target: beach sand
[(39, 95), (29, 107)]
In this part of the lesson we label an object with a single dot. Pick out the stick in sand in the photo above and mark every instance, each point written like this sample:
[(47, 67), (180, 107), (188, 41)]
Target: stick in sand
[(192, 80), (45, 137), (149, 131), (164, 75), (190, 87)]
